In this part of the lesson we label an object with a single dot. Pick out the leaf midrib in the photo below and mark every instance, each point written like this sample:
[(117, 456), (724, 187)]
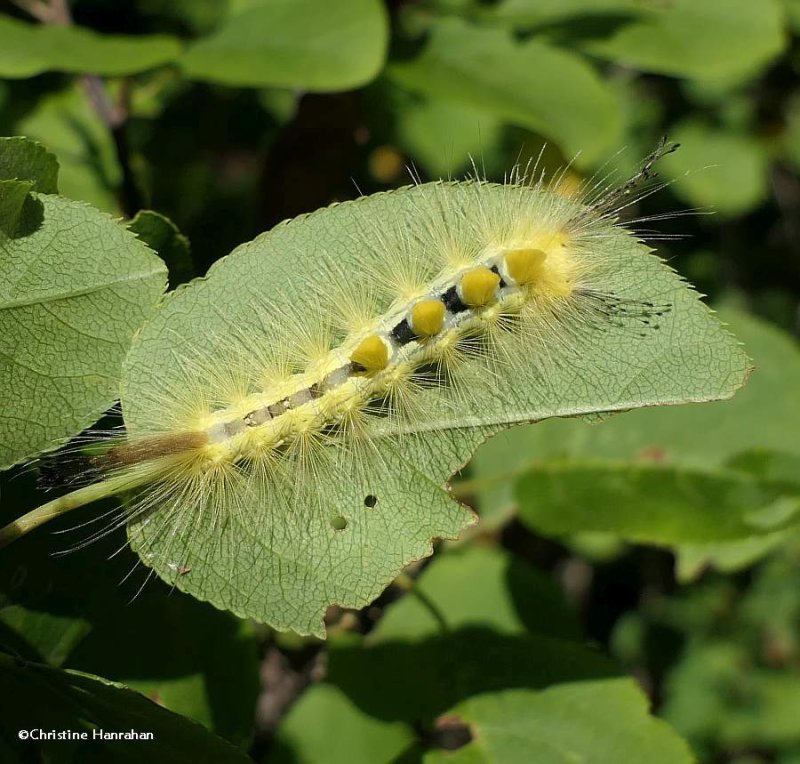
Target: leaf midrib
[(58, 296)]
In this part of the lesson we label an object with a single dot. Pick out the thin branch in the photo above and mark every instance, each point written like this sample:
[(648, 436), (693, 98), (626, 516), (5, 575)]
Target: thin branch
[(112, 114), (408, 584), (40, 10), (61, 13)]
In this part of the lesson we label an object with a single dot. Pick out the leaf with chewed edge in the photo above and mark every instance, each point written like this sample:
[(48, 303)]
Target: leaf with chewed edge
[(287, 567)]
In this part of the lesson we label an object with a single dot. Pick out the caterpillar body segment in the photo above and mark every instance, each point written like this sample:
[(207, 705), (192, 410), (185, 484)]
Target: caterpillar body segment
[(516, 287)]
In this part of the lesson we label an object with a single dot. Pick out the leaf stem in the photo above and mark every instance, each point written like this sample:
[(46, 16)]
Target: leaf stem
[(62, 505), (408, 584)]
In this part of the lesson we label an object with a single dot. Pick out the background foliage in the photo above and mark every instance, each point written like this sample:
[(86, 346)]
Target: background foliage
[(667, 539)]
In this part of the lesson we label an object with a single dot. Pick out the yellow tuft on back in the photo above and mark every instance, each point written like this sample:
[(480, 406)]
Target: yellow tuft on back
[(478, 286), (427, 317), (525, 264), (371, 355)]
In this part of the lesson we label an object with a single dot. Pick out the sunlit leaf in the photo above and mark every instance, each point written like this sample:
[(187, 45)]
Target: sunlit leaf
[(74, 287), (286, 567), (310, 44), (30, 49)]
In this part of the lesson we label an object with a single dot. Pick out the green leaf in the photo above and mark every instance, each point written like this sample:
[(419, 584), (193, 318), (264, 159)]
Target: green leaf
[(183, 654), (603, 722), (713, 39), (41, 619), (51, 699), (164, 238), (285, 567), (765, 414), (23, 159), (324, 726), (318, 45), (41, 636), (65, 122), (557, 697), (479, 586), (14, 195), (74, 287), (430, 677), (95, 611), (730, 556), (555, 723), (652, 503), (29, 49), (717, 170), (530, 84), (727, 556)]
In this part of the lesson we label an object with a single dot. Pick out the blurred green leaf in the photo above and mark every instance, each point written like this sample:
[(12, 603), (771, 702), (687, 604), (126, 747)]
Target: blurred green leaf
[(280, 103), (730, 556), (727, 556), (700, 688), (74, 287), (23, 159), (530, 84), (717, 170), (563, 724), (318, 45), (30, 49), (324, 726), (652, 503), (479, 586), (712, 39), (67, 125), (728, 652), (716, 693), (443, 136), (51, 699)]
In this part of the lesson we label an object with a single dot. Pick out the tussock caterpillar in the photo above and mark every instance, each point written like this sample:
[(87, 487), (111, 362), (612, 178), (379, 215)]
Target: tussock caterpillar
[(292, 418)]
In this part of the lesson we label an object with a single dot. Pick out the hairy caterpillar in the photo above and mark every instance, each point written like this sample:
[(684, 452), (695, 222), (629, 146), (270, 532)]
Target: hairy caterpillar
[(288, 416)]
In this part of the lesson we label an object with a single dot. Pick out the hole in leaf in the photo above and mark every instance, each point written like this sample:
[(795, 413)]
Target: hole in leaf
[(370, 501), (339, 523), (449, 733)]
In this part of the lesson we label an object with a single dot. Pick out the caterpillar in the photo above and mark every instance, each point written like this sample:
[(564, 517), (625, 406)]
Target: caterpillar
[(293, 416)]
